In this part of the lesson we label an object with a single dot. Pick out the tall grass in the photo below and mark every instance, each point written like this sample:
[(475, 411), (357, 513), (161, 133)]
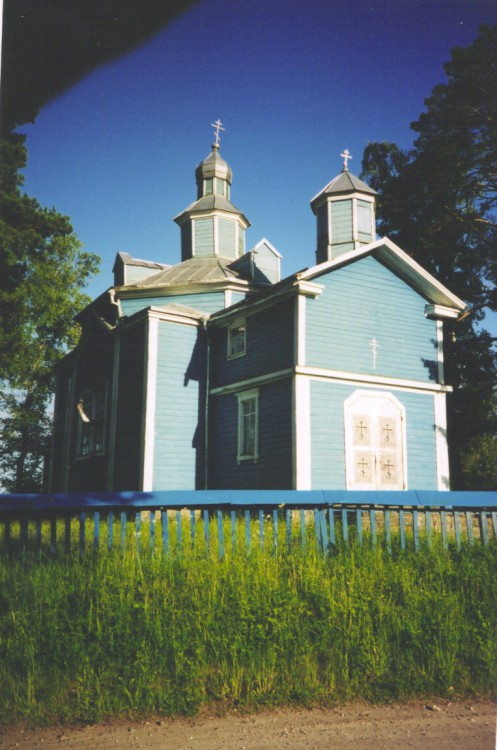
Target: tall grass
[(125, 632)]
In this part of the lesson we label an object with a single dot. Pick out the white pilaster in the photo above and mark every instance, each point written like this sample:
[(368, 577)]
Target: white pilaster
[(150, 381), (302, 434), (442, 448)]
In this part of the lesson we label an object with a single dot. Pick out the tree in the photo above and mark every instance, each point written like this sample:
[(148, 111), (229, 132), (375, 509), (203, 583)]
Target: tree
[(42, 272), (438, 201)]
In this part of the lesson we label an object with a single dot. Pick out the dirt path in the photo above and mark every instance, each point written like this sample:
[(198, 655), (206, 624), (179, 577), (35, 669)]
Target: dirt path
[(468, 725)]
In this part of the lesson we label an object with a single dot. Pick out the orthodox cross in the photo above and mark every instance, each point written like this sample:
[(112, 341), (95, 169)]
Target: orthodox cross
[(362, 429), (346, 156), (363, 466), (218, 126), (388, 468), (387, 430), (374, 348)]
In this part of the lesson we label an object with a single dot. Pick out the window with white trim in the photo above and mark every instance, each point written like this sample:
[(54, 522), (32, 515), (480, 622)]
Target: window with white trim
[(248, 425), (375, 442), (91, 422), (237, 339)]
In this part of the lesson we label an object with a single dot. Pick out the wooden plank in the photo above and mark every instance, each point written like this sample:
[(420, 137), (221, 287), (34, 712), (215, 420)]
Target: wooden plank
[(138, 531), (457, 529), (248, 531), (443, 524), (345, 526), (428, 527), (317, 529), (207, 533), (220, 535), (192, 528), (96, 530), (124, 523), (469, 526), (233, 530), (288, 522), (372, 525), (324, 530), (331, 518), (483, 527), (402, 528), (164, 518), (179, 531), (110, 531), (359, 524), (494, 524), (261, 528), (415, 529), (151, 531), (275, 529), (302, 526), (388, 530)]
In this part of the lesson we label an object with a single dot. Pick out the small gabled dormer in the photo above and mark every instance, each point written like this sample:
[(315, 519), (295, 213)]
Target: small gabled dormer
[(345, 211), (212, 226)]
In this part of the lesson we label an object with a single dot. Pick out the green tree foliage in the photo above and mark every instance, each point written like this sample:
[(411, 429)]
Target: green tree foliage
[(42, 272), (438, 201)]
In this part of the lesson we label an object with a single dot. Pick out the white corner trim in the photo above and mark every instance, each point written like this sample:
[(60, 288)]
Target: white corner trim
[(440, 351), (150, 404), (300, 330), (302, 433), (441, 445)]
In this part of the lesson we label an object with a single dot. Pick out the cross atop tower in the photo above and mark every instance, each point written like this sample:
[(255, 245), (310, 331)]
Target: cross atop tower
[(346, 156), (218, 126)]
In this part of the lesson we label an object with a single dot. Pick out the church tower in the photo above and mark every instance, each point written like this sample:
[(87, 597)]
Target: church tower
[(212, 226), (345, 211)]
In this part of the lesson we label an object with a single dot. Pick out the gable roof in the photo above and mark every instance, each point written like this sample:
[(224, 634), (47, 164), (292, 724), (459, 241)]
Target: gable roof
[(400, 263)]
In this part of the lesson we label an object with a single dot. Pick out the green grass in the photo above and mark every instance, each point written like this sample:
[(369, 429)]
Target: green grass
[(126, 633)]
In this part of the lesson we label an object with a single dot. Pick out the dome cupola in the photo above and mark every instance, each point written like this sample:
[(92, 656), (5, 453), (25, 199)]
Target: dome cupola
[(212, 226), (345, 211)]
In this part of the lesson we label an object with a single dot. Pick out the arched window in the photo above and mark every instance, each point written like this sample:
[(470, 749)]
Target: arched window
[(375, 446)]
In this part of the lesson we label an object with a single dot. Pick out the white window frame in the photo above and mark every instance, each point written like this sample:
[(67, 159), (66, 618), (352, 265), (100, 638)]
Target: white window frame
[(91, 419), (250, 453), (371, 405), (238, 351)]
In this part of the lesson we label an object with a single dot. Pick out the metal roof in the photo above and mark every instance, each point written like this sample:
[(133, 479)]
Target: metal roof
[(210, 203), (344, 183), (191, 271)]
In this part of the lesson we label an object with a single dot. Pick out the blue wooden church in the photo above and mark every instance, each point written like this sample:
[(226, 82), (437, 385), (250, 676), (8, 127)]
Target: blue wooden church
[(215, 373)]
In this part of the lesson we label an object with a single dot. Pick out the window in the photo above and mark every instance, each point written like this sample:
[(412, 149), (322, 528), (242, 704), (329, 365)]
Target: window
[(91, 423), (248, 425), (374, 442), (237, 339)]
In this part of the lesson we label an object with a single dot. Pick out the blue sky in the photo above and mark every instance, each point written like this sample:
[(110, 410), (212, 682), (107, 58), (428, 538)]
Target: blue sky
[(293, 83)]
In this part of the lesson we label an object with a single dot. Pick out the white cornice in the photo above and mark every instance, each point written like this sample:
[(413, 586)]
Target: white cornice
[(242, 385), (177, 289), (375, 381)]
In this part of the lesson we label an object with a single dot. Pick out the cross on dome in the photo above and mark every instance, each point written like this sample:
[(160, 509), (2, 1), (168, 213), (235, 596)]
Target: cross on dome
[(346, 156), (218, 126)]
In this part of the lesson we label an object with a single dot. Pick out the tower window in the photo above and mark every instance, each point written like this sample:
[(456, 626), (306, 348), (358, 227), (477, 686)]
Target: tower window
[(208, 187)]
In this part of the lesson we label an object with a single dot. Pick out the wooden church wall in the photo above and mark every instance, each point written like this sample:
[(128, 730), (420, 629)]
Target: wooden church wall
[(269, 346), (273, 468), (179, 407), (328, 435), (365, 301)]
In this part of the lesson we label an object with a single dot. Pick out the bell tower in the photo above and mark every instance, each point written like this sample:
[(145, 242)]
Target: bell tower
[(345, 211), (212, 226)]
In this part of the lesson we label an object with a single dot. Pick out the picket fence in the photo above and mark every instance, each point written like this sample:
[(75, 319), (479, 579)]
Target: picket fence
[(162, 521)]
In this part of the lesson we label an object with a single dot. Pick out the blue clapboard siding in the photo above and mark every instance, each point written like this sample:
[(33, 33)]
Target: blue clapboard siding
[(341, 221), (129, 408), (328, 435), (364, 300), (227, 239), (206, 302), (269, 346), (204, 237), (273, 469), (180, 389)]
